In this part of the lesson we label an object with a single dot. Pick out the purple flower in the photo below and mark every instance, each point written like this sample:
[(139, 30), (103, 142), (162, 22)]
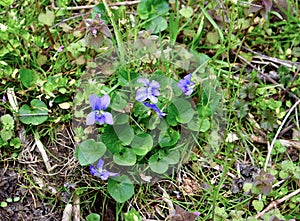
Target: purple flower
[(155, 108), (60, 48), (99, 172), (98, 115), (186, 85), (3, 99), (149, 91)]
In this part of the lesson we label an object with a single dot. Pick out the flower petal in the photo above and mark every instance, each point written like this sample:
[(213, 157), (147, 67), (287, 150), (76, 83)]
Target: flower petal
[(104, 102), (94, 171), (108, 118), (144, 81), (100, 119), (141, 94), (94, 102), (106, 174), (153, 99), (154, 84), (100, 164), (90, 118)]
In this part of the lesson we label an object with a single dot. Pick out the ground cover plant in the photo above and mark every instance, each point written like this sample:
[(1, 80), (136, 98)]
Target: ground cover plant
[(149, 110)]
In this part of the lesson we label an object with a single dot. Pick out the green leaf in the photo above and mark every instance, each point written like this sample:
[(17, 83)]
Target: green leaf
[(120, 118), (118, 101), (172, 157), (34, 114), (15, 142), (47, 18), (185, 110), (157, 165), (111, 140), (7, 121), (142, 144), (124, 133), (258, 205), (6, 2), (120, 188), (132, 215), (89, 152), (204, 125), (28, 77), (157, 25), (186, 12), (3, 204), (168, 137), (125, 158), (93, 217)]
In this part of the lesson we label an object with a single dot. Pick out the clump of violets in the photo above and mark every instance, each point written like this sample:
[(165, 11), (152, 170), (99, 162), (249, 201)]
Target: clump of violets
[(149, 91), (186, 85), (99, 105), (99, 172)]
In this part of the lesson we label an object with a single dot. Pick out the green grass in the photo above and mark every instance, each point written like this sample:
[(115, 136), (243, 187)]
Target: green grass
[(224, 34)]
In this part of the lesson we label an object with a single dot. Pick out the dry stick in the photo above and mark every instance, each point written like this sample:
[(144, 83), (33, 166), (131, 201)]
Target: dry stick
[(277, 133), (92, 6), (275, 203), (41, 148)]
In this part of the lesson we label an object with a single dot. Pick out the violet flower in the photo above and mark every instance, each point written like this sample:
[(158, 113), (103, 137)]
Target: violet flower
[(149, 91), (186, 85), (60, 49), (155, 108), (99, 172), (98, 115)]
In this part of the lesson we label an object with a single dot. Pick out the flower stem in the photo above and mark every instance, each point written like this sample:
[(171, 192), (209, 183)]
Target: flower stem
[(116, 31)]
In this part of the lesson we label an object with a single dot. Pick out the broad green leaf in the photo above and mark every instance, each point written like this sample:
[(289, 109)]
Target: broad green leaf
[(34, 114), (28, 77), (125, 158), (168, 137), (111, 140), (120, 118), (93, 217), (186, 12), (172, 157), (157, 25), (124, 133), (89, 151), (118, 101), (7, 121), (120, 188), (194, 124), (204, 125), (258, 205), (6, 134), (142, 144), (47, 18), (184, 109), (157, 165)]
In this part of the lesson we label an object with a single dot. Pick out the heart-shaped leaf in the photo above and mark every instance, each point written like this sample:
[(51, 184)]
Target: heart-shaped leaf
[(47, 18), (142, 144), (89, 152), (34, 114), (157, 165), (28, 77), (125, 158), (120, 188)]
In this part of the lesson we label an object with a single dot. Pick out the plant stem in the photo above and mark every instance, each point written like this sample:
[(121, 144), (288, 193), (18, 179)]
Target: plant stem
[(116, 31)]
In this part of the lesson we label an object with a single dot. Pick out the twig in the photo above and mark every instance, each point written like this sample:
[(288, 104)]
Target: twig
[(286, 143), (127, 3), (277, 133), (275, 203), (41, 148)]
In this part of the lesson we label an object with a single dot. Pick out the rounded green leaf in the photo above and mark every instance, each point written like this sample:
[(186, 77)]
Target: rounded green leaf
[(157, 165), (93, 217), (34, 114), (168, 137), (124, 133), (204, 125), (89, 152), (28, 77), (173, 157), (142, 144), (186, 12), (125, 158), (120, 188), (258, 205)]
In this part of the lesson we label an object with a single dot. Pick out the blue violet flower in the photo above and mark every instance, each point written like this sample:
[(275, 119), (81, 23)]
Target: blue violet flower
[(99, 172), (155, 108), (149, 91), (98, 115), (186, 85)]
